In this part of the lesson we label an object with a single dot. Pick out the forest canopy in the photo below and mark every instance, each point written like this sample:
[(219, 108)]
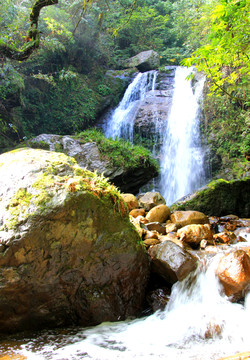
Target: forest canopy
[(68, 46)]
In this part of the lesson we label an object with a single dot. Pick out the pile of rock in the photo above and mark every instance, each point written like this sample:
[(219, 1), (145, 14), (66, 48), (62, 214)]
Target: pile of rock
[(178, 242)]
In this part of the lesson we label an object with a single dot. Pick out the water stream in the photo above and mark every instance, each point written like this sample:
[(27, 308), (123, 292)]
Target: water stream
[(182, 164), (199, 323), (121, 122), (181, 154)]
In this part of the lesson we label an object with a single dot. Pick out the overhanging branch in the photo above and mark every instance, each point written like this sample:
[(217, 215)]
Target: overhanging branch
[(33, 34)]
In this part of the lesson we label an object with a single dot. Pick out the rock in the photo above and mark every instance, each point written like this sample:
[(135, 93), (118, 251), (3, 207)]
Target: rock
[(220, 198), (141, 220), (136, 223), (150, 200), (156, 226), (171, 262), (144, 61), (70, 254), (193, 234), (203, 244), (131, 201), (233, 272), (172, 237), (239, 356), (225, 238), (150, 242), (137, 212), (171, 228), (159, 213), (88, 156), (183, 218), (151, 235), (158, 299)]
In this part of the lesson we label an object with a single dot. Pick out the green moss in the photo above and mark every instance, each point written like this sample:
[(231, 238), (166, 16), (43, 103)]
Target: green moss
[(18, 207), (39, 145), (118, 152), (219, 198)]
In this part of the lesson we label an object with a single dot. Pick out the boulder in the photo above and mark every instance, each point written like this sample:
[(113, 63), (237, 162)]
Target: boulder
[(159, 213), (144, 61), (131, 201), (219, 198), (233, 271), (150, 200), (227, 237), (157, 227), (171, 262), (69, 254), (183, 218), (137, 212), (158, 299), (171, 228), (193, 234), (88, 156)]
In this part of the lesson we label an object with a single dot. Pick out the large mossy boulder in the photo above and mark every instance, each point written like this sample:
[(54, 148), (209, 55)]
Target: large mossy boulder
[(68, 252), (219, 198)]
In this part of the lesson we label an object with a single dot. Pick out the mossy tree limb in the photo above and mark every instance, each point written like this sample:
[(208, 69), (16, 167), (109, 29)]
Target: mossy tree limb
[(33, 38)]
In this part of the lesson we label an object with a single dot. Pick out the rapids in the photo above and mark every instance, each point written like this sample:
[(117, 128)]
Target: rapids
[(199, 322)]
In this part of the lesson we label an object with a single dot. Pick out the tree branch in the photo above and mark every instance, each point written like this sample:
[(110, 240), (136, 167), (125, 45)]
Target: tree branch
[(33, 37)]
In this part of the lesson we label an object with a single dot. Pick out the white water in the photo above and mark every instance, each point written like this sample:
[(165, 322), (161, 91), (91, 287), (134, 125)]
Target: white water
[(199, 323), (121, 122), (182, 170)]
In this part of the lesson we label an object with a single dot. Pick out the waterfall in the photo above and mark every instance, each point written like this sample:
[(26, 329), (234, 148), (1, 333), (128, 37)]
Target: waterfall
[(120, 124), (182, 170), (199, 322)]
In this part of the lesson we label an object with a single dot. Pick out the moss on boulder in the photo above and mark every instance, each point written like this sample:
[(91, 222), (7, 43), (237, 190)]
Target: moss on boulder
[(68, 252), (219, 198)]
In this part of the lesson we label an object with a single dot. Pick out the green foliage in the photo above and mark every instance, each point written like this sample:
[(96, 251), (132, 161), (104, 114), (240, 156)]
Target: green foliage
[(227, 130), (224, 54), (118, 152)]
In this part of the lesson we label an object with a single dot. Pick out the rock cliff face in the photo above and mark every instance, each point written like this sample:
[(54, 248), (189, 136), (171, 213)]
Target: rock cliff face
[(88, 156), (68, 253), (155, 107)]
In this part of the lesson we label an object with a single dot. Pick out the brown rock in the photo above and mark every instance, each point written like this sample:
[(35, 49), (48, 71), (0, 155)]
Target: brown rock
[(225, 237), (183, 218), (239, 356), (193, 234), (171, 228), (68, 257), (150, 242), (234, 272), (150, 200), (131, 201), (159, 213), (158, 299), (137, 212), (150, 235), (171, 261), (157, 227)]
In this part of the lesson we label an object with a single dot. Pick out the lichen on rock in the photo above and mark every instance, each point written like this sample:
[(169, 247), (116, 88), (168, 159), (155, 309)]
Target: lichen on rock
[(69, 254)]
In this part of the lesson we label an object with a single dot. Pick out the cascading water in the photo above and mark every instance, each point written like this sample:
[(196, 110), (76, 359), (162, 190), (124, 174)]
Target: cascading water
[(120, 124), (199, 322), (182, 170)]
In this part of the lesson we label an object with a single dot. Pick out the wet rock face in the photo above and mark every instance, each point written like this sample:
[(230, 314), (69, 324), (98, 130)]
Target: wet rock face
[(234, 273), (68, 253), (171, 261)]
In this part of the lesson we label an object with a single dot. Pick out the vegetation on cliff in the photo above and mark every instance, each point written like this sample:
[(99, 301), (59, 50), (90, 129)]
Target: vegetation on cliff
[(62, 87)]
